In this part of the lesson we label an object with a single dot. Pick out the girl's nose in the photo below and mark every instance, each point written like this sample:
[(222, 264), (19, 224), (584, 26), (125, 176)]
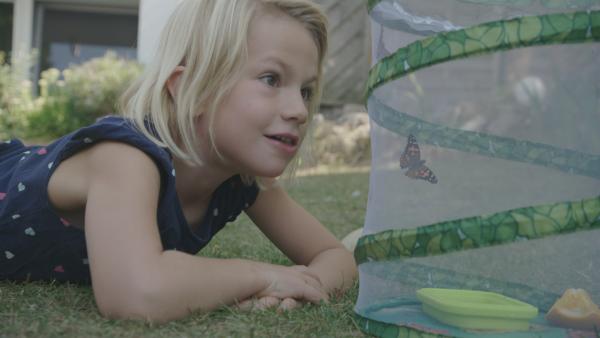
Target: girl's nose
[(295, 108)]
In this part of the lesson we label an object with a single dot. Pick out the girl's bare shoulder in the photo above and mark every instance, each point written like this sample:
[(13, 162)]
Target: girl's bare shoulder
[(110, 161)]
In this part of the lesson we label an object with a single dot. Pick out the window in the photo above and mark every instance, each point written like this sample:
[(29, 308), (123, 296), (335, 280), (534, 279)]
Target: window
[(6, 27), (75, 35)]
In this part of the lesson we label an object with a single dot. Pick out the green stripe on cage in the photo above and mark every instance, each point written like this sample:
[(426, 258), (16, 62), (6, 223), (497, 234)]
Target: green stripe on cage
[(385, 330), (546, 3), (480, 231), (566, 160), (371, 4), (489, 37)]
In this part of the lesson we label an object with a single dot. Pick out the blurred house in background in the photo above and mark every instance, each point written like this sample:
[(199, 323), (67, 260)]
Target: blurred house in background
[(64, 32)]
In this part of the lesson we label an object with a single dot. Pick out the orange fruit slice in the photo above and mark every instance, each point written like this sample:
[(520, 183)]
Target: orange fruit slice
[(575, 309)]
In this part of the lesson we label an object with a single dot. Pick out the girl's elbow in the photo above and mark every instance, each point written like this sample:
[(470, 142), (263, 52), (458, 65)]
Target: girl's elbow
[(137, 301)]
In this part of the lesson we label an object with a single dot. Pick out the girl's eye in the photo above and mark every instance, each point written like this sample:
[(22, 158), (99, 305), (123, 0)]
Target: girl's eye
[(307, 93), (270, 80)]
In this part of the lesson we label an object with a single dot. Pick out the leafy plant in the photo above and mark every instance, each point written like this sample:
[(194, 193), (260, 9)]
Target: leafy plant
[(15, 97), (79, 95)]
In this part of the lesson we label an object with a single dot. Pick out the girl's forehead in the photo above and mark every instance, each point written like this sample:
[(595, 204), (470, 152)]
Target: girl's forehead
[(273, 30), (269, 17), (288, 46)]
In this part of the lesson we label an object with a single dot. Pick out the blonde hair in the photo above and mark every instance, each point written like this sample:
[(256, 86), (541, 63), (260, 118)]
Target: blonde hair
[(208, 37)]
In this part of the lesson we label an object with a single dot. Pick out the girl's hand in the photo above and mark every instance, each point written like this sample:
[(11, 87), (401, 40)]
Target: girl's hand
[(289, 304), (269, 302), (258, 303), (297, 282)]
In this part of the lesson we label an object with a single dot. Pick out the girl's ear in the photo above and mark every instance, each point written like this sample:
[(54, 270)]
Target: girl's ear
[(173, 81)]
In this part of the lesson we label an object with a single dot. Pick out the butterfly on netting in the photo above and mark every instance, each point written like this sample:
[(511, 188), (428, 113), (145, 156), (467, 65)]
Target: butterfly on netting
[(411, 159)]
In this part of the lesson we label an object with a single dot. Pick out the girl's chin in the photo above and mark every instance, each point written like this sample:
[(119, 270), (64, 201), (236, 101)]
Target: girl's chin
[(270, 173)]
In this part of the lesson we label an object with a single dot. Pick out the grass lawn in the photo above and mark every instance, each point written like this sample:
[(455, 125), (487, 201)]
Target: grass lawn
[(338, 200)]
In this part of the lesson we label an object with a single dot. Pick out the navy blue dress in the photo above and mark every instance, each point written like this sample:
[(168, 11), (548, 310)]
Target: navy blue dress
[(36, 244)]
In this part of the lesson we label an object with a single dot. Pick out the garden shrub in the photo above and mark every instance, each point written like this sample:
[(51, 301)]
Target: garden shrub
[(343, 141), (15, 99), (79, 95)]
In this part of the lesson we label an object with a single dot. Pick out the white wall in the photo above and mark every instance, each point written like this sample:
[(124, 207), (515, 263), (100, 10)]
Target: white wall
[(153, 16), (22, 32)]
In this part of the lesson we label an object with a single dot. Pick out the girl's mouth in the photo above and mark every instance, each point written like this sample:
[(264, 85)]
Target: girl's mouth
[(286, 139), (288, 143)]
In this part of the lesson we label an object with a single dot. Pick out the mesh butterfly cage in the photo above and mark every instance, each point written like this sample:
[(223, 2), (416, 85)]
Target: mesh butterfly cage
[(484, 198)]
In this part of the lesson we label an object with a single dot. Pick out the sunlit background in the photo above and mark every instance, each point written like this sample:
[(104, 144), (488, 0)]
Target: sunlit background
[(68, 32)]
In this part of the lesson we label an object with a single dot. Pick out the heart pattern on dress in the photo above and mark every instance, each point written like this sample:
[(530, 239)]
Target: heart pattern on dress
[(9, 255), (21, 187), (2, 195), (30, 232)]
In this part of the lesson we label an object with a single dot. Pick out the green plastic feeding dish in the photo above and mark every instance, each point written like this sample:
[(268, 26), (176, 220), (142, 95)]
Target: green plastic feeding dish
[(479, 310)]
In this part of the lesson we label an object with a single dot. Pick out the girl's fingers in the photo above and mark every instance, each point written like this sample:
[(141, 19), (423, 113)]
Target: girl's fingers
[(313, 283), (292, 282), (266, 302), (245, 305), (310, 278), (288, 304), (314, 294), (261, 303)]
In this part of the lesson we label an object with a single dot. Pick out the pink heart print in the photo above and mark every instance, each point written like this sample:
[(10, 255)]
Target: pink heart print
[(2, 195), (42, 151), (59, 269)]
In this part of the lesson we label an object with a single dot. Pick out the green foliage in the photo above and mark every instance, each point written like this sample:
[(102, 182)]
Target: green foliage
[(15, 99), (67, 99), (79, 95)]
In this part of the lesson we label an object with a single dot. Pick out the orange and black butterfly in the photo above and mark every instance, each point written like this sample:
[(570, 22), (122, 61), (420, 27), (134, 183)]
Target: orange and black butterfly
[(411, 159)]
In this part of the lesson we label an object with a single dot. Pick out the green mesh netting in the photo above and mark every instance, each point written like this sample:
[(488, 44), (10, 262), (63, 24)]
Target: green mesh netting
[(485, 118)]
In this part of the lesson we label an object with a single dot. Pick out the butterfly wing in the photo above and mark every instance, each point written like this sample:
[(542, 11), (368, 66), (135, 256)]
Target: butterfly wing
[(411, 159), (422, 172), (411, 155)]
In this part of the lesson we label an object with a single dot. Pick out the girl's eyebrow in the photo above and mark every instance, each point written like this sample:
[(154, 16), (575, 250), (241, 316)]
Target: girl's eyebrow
[(277, 60)]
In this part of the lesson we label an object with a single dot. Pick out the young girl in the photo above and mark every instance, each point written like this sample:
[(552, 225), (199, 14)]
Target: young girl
[(127, 202)]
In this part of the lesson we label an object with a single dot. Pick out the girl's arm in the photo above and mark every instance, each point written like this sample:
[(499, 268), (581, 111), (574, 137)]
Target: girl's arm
[(303, 238), (133, 277)]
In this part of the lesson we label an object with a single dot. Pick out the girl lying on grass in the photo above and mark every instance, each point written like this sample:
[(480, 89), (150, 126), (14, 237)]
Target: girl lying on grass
[(126, 203)]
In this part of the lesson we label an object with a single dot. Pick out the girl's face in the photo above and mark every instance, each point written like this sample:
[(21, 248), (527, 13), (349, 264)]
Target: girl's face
[(261, 123)]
